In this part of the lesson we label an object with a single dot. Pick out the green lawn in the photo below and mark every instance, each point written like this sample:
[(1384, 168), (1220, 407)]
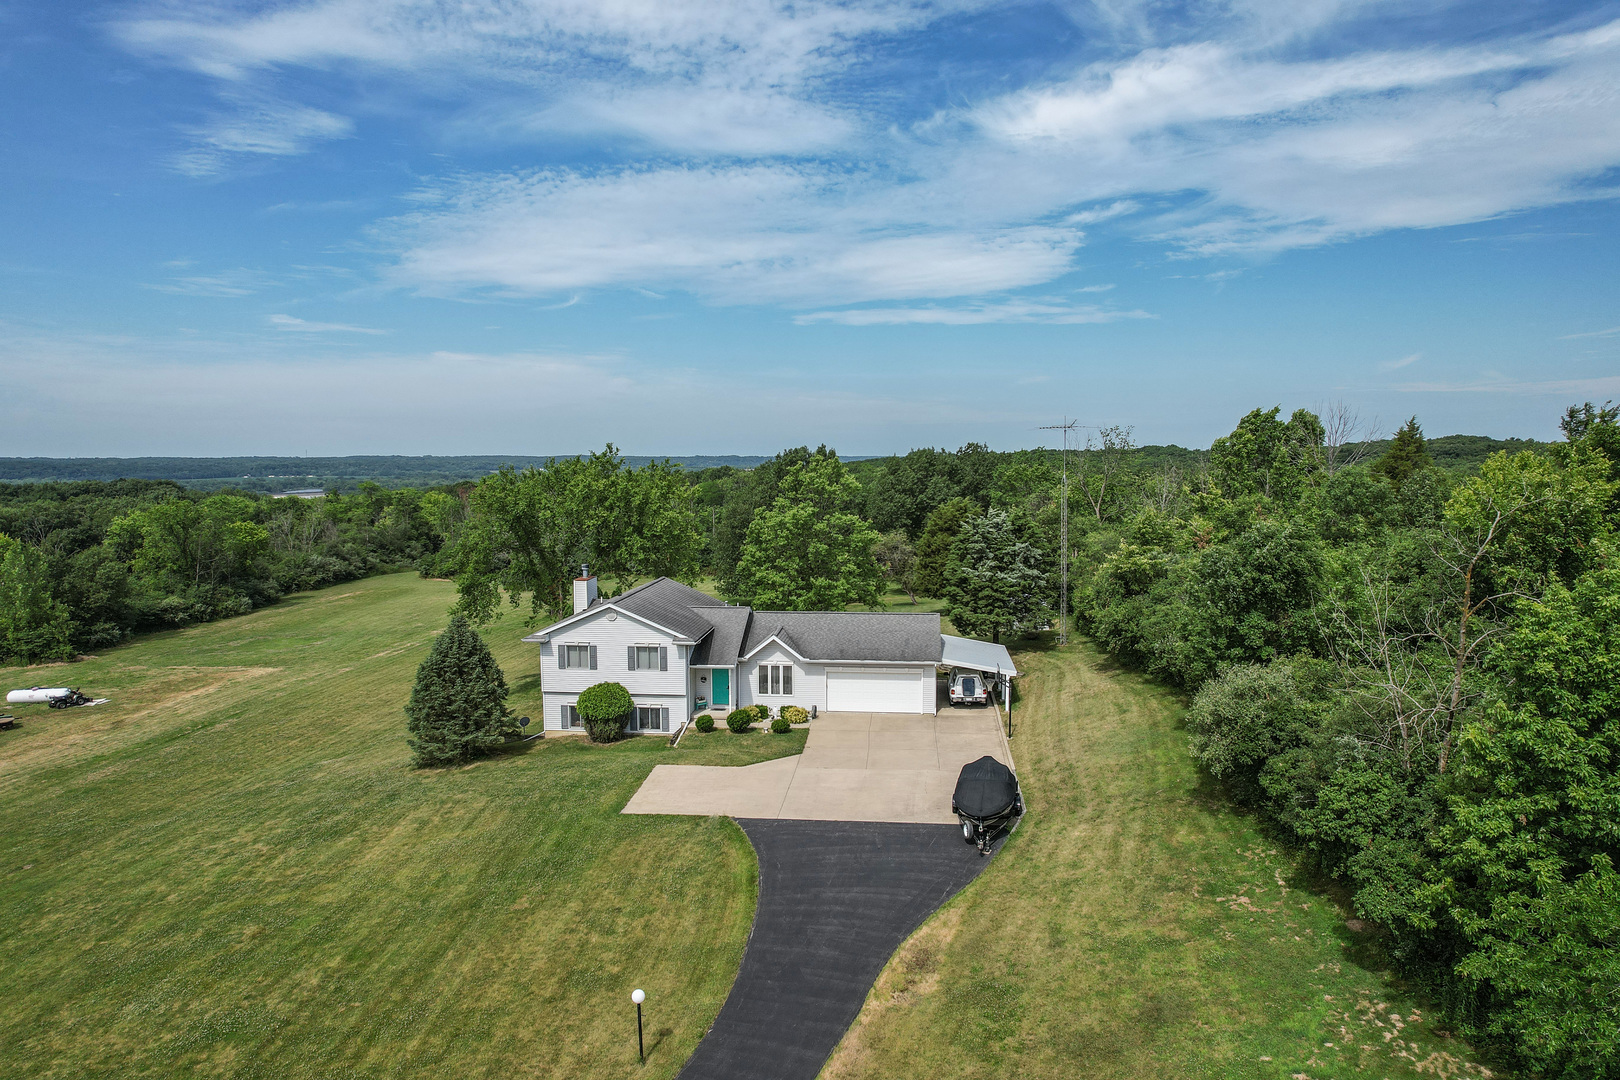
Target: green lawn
[(1135, 927), (232, 870)]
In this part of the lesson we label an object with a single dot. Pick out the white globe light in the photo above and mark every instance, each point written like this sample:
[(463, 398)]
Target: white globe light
[(638, 996)]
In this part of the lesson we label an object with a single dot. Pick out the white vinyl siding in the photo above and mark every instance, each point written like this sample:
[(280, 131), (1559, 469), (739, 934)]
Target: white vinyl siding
[(611, 636)]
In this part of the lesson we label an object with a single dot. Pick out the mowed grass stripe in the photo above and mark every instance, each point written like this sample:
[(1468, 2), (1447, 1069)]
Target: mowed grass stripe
[(250, 880), (1134, 927)]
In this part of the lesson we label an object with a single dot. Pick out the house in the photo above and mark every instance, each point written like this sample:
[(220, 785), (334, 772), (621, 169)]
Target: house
[(679, 651)]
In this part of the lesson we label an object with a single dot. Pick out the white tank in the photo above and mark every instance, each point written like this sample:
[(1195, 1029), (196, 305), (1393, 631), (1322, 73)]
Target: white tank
[(38, 695)]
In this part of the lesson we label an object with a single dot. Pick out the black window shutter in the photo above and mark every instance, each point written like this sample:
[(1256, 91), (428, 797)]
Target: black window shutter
[(663, 658), (562, 656), (593, 657), (630, 651)]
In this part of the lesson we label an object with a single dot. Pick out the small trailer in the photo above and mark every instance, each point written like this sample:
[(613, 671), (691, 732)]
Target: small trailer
[(57, 697)]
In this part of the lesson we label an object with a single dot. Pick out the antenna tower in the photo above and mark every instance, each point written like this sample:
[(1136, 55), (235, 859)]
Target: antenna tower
[(1063, 529)]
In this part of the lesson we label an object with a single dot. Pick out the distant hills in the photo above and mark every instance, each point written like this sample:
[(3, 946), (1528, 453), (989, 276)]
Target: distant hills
[(394, 471), (287, 473)]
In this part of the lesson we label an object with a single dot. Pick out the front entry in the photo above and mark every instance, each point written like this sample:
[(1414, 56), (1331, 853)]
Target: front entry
[(722, 686)]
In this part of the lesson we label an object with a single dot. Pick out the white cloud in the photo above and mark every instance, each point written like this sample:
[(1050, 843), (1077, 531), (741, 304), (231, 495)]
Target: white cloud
[(277, 129), (761, 169), (1308, 151), (296, 325), (1610, 332), (240, 282), (756, 233), (1005, 311), (1396, 365)]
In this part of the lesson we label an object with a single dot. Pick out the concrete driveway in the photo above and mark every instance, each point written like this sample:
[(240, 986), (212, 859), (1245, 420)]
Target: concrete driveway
[(855, 767)]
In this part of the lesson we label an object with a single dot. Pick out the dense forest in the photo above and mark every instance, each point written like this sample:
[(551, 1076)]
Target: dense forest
[(1403, 656)]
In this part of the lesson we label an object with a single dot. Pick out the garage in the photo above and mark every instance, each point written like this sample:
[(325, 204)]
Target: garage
[(900, 691)]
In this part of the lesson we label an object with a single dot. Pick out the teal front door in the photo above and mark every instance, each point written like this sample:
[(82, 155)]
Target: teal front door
[(722, 686)]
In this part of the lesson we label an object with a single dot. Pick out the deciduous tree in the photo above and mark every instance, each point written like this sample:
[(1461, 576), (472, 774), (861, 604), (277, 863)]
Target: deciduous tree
[(806, 552)]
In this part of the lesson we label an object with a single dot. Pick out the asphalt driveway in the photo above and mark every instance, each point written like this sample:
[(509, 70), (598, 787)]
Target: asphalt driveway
[(835, 900)]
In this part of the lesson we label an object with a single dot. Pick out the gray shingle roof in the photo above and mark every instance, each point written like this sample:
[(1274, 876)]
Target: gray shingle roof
[(722, 647), (850, 635), (725, 633), (668, 603)]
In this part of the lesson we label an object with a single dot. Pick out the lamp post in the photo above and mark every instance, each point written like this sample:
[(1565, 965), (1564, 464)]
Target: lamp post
[(638, 996)]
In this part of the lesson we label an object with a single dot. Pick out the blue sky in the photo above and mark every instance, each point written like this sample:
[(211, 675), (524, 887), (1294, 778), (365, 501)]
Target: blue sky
[(534, 226)]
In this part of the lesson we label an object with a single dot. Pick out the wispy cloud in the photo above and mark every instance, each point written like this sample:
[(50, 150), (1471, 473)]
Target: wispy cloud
[(1396, 365), (240, 282), (752, 160), (1610, 332), (301, 326), (1006, 311), (276, 129), (754, 233)]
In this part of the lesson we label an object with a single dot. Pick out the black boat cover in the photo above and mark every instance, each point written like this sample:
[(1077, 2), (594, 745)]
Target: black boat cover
[(985, 788)]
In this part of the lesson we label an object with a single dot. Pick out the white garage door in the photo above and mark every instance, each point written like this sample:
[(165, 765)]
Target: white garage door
[(874, 691)]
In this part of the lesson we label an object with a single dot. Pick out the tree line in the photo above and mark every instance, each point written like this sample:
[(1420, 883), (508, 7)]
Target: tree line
[(1412, 674), (85, 564)]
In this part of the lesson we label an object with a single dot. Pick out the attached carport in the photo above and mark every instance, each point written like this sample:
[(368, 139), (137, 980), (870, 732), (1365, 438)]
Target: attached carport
[(985, 656)]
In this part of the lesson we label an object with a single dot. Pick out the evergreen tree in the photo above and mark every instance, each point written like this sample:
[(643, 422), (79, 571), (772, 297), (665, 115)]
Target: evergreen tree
[(933, 553), (1406, 454), (458, 705), (999, 581)]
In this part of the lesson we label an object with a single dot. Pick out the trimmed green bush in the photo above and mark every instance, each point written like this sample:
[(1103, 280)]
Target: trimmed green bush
[(780, 726), (795, 715), (740, 720), (605, 711), (704, 724), (458, 705)]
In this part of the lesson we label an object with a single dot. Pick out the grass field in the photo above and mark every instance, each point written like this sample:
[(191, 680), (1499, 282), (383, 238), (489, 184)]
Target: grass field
[(232, 870), (1134, 927)]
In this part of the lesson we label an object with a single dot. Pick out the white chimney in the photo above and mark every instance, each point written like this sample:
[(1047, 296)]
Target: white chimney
[(584, 589)]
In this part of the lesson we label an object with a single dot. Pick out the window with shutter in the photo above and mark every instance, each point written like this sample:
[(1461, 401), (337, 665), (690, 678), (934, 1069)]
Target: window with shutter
[(577, 656)]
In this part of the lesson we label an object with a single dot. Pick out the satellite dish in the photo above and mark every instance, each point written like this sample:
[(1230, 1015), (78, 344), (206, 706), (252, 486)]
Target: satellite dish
[(523, 721)]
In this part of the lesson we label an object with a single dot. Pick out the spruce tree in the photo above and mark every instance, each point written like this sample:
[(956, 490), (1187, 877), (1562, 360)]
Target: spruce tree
[(458, 705), (1406, 454), (998, 581)]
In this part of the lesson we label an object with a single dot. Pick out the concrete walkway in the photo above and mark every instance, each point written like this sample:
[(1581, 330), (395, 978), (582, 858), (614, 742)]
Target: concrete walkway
[(855, 767), (835, 900)]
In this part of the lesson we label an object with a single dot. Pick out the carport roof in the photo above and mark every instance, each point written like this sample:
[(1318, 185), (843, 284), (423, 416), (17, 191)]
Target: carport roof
[(979, 655)]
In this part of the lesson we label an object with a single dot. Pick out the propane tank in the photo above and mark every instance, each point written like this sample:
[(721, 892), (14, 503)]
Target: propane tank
[(37, 695)]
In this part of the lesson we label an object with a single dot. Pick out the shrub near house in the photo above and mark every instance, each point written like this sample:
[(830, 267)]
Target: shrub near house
[(605, 711)]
